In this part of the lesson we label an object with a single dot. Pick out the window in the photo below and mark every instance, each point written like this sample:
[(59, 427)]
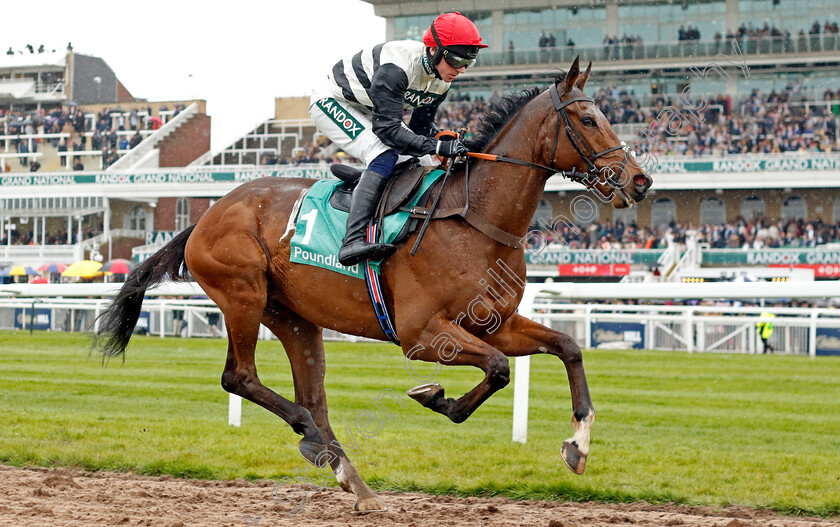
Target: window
[(413, 27), (584, 25), (712, 212), (137, 218), (627, 216), (660, 23), (662, 212), (182, 214), (752, 207), (794, 208), (791, 15)]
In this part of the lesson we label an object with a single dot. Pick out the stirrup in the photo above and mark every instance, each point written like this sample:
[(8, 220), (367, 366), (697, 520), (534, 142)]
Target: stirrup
[(359, 250)]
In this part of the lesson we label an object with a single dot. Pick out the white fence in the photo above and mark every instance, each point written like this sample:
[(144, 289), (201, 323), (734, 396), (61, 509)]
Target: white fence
[(192, 317), (686, 328), (680, 328)]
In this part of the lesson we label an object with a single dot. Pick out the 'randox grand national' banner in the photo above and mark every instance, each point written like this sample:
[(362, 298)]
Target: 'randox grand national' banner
[(179, 176), (739, 163), (770, 257), (745, 163), (591, 256), (710, 257)]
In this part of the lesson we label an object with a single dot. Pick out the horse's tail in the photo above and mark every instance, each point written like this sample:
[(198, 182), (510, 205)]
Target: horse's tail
[(116, 323)]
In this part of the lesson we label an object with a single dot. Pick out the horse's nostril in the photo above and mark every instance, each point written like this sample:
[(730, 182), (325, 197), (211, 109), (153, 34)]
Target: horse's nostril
[(641, 181)]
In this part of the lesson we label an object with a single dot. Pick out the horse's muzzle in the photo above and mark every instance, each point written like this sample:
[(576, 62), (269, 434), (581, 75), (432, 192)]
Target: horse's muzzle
[(641, 183)]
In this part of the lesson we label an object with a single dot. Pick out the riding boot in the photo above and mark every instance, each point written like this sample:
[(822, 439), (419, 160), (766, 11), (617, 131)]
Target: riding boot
[(355, 247)]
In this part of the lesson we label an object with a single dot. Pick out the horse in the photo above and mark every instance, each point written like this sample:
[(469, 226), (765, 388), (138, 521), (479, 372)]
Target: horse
[(445, 309)]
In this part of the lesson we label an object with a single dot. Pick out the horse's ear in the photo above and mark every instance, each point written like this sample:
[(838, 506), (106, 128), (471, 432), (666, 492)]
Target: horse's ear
[(571, 76), (584, 77)]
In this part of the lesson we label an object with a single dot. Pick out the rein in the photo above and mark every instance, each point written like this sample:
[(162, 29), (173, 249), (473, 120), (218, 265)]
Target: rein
[(584, 178)]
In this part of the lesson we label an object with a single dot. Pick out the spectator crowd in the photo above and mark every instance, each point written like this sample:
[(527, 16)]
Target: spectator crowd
[(614, 46), (87, 131), (790, 120), (58, 237), (762, 123), (759, 233)]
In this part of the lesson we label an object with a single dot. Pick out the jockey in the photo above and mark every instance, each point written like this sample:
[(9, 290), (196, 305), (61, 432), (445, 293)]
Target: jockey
[(361, 105)]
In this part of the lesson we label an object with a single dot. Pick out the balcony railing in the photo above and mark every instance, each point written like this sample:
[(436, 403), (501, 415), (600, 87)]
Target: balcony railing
[(39, 254), (820, 43)]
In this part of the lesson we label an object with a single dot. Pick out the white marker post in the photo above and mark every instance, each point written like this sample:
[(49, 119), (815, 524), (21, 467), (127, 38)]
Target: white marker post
[(234, 410), (521, 374)]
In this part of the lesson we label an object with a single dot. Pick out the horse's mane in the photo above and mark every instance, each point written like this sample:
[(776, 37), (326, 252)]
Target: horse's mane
[(498, 112)]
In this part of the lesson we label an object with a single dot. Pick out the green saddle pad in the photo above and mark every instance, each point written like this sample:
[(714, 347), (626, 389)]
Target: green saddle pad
[(320, 228)]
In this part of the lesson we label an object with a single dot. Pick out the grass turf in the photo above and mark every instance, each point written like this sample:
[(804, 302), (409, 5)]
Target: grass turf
[(701, 429)]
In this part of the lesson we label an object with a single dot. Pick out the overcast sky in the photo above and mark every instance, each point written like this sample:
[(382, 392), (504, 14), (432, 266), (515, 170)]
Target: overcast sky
[(238, 55)]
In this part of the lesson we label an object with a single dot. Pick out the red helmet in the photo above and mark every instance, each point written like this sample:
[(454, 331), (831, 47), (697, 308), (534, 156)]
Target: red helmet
[(453, 29)]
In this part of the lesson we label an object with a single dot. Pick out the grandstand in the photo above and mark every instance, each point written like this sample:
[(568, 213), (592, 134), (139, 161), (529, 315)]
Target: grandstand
[(276, 141), (66, 121), (68, 111), (732, 103)]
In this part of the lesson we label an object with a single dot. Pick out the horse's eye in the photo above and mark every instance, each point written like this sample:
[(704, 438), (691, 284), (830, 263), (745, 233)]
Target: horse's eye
[(588, 121)]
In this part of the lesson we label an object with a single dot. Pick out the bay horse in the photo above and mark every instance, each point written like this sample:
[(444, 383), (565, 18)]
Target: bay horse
[(239, 251)]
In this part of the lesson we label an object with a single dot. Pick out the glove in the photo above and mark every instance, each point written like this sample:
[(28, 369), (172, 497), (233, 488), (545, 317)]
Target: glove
[(452, 148)]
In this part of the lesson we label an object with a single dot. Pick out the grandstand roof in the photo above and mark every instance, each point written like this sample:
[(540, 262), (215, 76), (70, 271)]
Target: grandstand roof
[(33, 60)]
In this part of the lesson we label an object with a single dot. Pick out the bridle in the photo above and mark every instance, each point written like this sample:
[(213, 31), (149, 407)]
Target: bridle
[(577, 139), (586, 153)]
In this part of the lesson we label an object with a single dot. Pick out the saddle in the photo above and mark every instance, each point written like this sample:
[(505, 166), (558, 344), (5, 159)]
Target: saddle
[(403, 187)]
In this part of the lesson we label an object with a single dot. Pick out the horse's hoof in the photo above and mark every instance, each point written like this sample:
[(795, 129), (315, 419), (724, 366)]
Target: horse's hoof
[(310, 452), (574, 458), (371, 504), (426, 394)]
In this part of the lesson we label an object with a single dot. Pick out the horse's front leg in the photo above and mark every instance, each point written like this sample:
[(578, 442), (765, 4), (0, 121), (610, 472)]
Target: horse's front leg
[(447, 344), (519, 336)]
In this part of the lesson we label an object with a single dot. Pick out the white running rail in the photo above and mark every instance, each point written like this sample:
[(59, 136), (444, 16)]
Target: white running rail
[(685, 328)]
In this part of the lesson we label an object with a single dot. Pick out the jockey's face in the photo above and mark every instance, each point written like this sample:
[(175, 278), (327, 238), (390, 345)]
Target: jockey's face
[(447, 72)]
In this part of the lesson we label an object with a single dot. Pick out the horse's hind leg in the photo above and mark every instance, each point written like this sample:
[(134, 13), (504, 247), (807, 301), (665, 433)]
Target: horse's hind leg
[(242, 319), (438, 342), (304, 345), (519, 336)]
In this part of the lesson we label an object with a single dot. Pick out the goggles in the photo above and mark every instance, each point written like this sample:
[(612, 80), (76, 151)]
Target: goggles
[(457, 61), (453, 59)]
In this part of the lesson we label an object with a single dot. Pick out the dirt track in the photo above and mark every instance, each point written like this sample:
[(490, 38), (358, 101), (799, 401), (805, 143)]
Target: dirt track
[(61, 497)]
